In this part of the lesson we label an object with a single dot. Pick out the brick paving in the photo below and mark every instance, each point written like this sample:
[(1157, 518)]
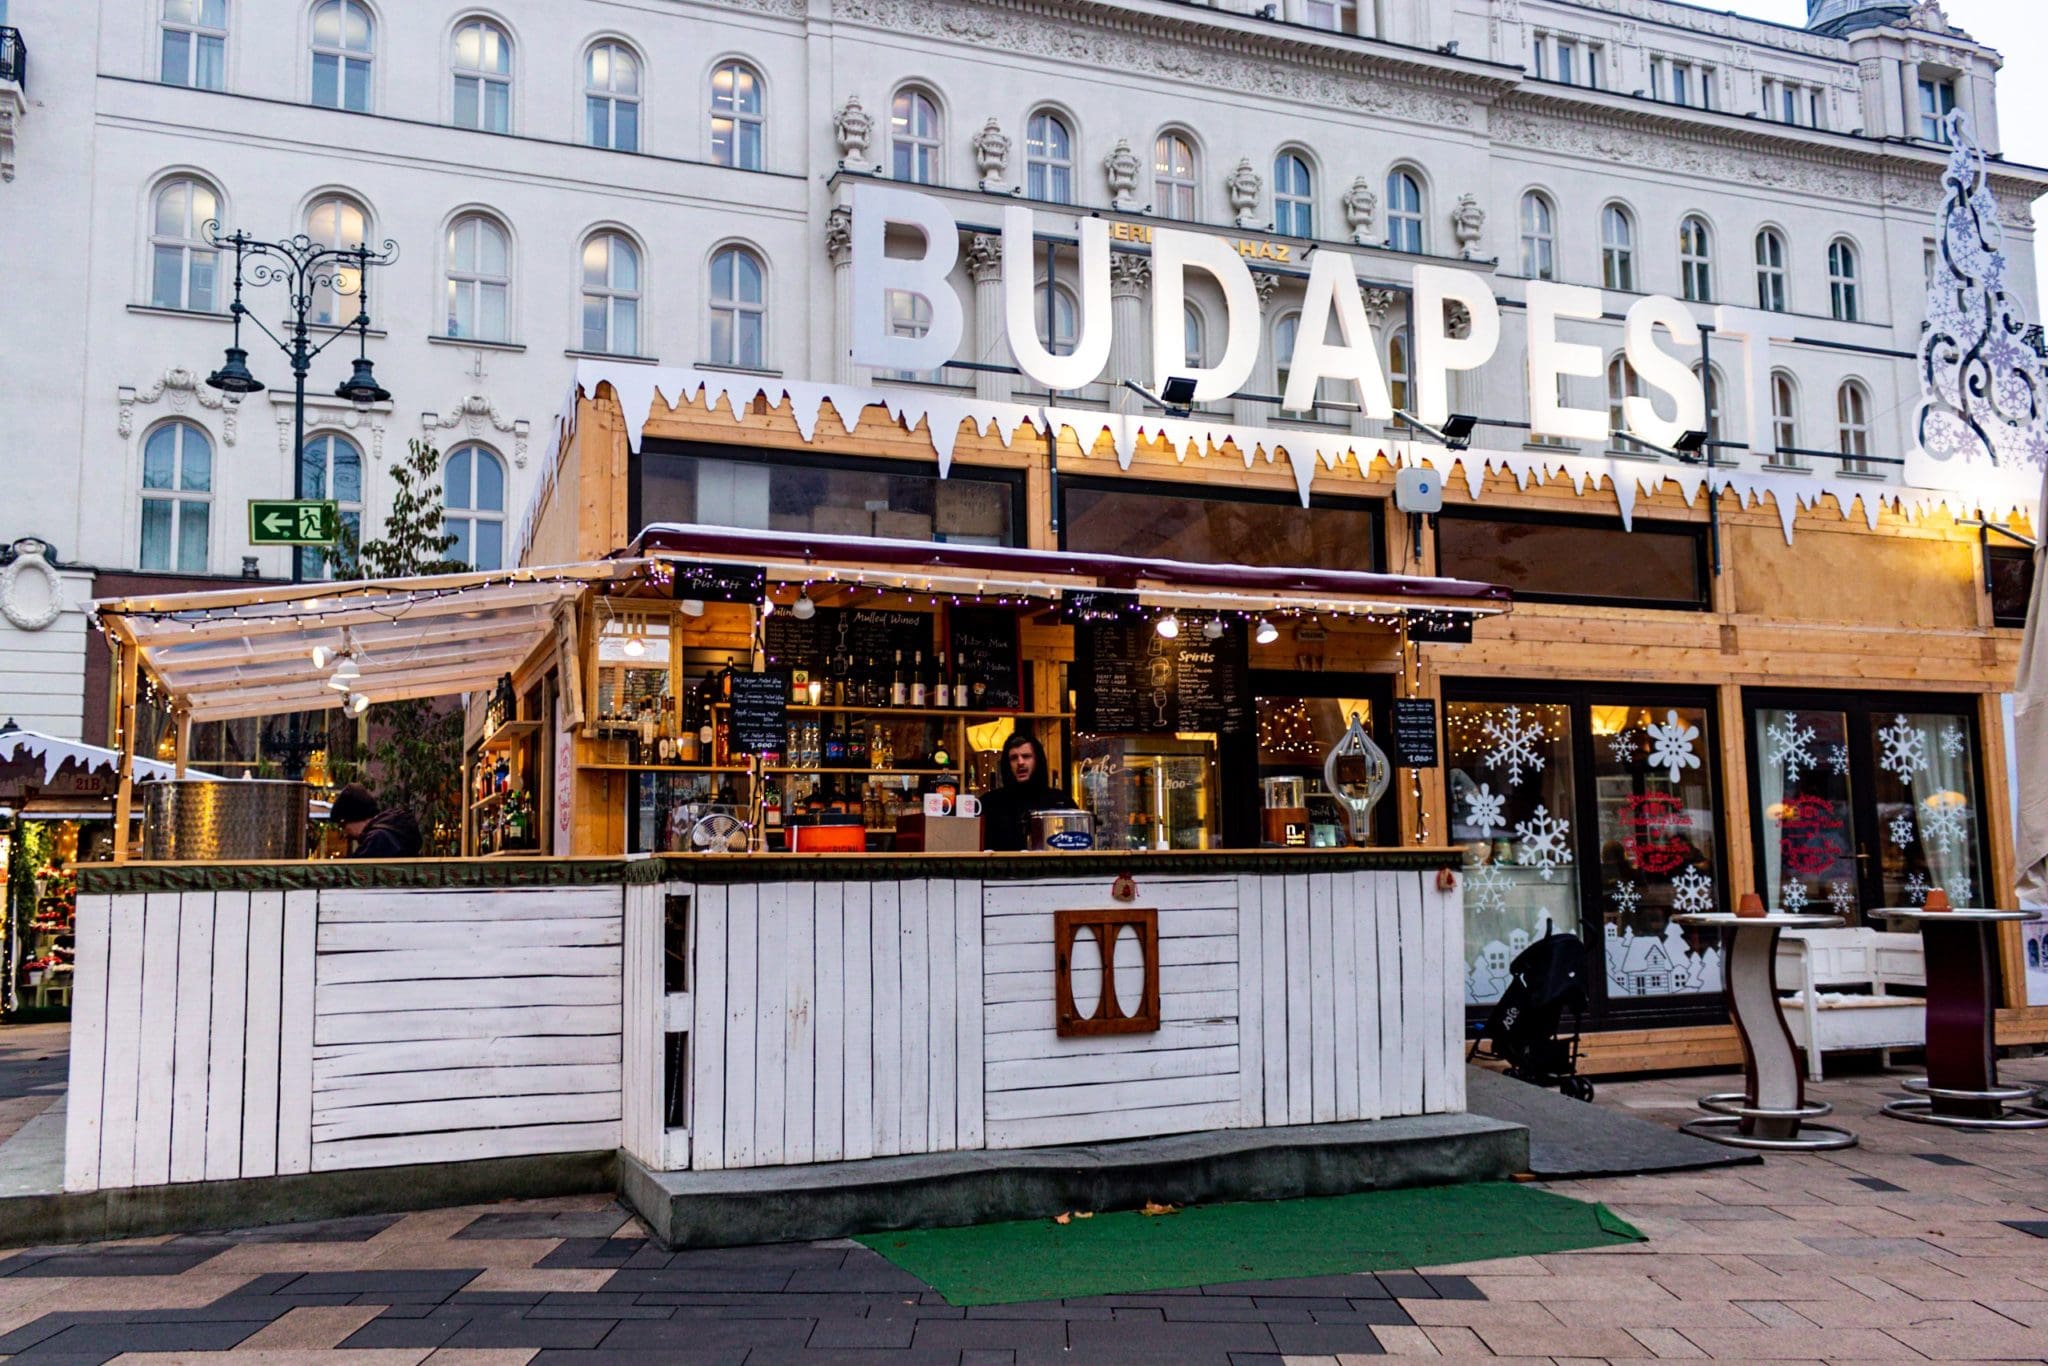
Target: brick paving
[(1920, 1245)]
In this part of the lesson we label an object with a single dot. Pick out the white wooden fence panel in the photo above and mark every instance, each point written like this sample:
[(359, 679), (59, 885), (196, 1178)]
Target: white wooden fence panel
[(296, 1010), (1347, 990), (828, 1116), (159, 1034), (886, 952), (332, 1062), (799, 991), (417, 909), (1408, 991), (707, 1042), (227, 1042), (260, 1055), (85, 1094), (194, 1022), (1365, 990), (859, 1041), (1251, 1078), (771, 1023), (643, 1030), (742, 1010)]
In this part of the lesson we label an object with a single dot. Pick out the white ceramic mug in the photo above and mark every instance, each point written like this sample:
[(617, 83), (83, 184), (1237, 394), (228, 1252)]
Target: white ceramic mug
[(967, 804), (937, 804)]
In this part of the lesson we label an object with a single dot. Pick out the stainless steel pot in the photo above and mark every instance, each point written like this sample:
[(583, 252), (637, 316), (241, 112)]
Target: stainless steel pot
[(1061, 830), (214, 819)]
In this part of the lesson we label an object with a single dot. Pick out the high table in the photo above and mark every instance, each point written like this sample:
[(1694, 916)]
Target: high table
[(1961, 1086), (1771, 1111)]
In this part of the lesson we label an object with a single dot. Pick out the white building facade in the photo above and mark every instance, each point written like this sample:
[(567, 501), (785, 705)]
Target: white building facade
[(659, 182)]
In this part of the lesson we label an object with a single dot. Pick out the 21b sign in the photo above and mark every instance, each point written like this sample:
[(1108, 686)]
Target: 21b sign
[(293, 522)]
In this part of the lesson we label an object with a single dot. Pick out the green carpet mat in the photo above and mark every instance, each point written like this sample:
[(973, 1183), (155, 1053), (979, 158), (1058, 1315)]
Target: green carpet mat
[(1129, 1252)]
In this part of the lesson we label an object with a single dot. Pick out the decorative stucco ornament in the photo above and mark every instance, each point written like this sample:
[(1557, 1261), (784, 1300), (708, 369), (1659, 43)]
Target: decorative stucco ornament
[(31, 594), (1468, 225), (1982, 388), (1121, 168), (1243, 187), (855, 129), (1361, 206), (992, 157)]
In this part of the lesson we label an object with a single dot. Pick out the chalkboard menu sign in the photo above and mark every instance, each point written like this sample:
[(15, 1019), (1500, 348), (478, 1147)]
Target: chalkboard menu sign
[(986, 637), (1440, 628), (864, 633), (719, 582), (793, 644), (1414, 732), (759, 720), (1132, 680)]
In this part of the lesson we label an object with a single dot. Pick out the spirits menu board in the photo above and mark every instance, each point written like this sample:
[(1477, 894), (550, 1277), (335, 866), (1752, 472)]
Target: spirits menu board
[(759, 720), (986, 638), (1132, 680), (863, 633)]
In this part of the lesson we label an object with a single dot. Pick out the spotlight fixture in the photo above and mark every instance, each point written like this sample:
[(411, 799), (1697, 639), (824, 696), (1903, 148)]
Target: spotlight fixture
[(1212, 629), (319, 656), (1266, 633), (1169, 626), (345, 674), (635, 646), (803, 609), (358, 703), (767, 608), (693, 607)]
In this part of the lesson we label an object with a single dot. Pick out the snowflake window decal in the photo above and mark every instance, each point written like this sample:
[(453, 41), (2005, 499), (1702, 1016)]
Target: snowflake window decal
[(1842, 896), (1483, 808), (1514, 743), (1621, 747), (1902, 831), (1959, 889), (1953, 742), (1673, 747), (1838, 760), (1692, 892), (1792, 897), (1790, 744), (1627, 897), (1487, 887), (1917, 889), (1544, 845), (1904, 749), (1944, 823)]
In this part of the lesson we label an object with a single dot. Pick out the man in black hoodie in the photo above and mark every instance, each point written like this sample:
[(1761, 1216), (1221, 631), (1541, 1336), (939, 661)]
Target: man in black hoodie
[(374, 833), (1023, 787)]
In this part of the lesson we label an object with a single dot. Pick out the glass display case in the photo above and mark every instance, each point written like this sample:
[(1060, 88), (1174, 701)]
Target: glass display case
[(1149, 792), (1295, 734)]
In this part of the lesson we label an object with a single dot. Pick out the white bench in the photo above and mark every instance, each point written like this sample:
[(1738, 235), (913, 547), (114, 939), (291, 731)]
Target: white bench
[(1812, 961)]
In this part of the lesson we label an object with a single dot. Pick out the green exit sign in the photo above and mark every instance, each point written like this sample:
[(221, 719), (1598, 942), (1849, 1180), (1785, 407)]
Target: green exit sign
[(299, 522)]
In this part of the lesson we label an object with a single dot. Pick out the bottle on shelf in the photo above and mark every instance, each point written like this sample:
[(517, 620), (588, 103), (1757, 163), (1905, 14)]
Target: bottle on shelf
[(978, 690), (942, 689), (771, 805), (919, 696), (960, 698), (899, 687)]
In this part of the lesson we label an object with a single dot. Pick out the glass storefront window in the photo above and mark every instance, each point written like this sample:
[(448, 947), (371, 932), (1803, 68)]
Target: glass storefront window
[(1555, 559), (1295, 735), (1926, 789), (1509, 770), (1182, 524), (837, 500), (1809, 813)]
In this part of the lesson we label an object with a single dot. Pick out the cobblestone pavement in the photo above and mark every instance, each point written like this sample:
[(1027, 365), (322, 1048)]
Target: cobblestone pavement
[(34, 1061), (1921, 1244)]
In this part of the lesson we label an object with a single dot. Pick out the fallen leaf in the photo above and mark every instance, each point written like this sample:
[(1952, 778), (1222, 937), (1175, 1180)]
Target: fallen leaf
[(1152, 1207), (1063, 1218)]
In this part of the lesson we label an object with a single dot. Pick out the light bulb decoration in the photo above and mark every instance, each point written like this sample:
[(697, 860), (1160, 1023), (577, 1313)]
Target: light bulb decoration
[(1169, 627), (358, 703), (693, 607), (1267, 632), (635, 646), (803, 609), (1212, 629)]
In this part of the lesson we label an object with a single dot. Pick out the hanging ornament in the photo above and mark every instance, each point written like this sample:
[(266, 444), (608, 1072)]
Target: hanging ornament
[(1356, 772)]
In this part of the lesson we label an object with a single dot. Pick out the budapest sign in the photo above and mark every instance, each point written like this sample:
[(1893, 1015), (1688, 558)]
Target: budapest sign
[(1332, 296)]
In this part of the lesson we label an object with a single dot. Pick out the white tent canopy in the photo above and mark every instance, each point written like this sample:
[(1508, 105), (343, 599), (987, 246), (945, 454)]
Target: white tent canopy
[(228, 653), (17, 744)]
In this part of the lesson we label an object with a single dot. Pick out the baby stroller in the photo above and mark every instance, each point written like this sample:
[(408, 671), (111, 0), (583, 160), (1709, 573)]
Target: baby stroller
[(1545, 980)]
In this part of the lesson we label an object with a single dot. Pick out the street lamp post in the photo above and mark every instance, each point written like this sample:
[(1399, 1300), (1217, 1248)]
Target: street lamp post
[(304, 267)]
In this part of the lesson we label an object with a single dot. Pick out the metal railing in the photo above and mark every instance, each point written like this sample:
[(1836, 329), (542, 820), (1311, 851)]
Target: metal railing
[(13, 58)]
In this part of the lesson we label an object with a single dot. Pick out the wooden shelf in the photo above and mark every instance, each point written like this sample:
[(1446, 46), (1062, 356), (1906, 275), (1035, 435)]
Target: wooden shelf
[(924, 711), (663, 768), (504, 736), (876, 772), (485, 803)]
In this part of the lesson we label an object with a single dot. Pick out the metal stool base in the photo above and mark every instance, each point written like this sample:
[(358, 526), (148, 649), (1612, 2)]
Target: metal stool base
[(2019, 1095), (1920, 1110), (1814, 1138), (1736, 1103)]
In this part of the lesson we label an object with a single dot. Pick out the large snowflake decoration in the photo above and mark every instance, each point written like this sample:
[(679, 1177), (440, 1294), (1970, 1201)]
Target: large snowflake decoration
[(1902, 831), (1673, 748), (1483, 808), (1792, 897), (1905, 749), (1627, 897), (1944, 823), (1953, 742), (1790, 744), (1514, 744), (1982, 390), (1838, 760), (1916, 888), (1959, 889), (1486, 890), (1621, 747), (1544, 844), (1692, 891), (1842, 896)]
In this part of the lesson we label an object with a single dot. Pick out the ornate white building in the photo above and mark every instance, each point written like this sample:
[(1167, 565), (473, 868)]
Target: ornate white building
[(659, 181)]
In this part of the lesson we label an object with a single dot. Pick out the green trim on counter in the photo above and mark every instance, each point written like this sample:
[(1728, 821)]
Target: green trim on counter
[(107, 879)]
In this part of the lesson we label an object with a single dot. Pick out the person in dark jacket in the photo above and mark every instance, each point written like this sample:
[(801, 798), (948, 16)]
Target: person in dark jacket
[(1023, 787), (371, 832)]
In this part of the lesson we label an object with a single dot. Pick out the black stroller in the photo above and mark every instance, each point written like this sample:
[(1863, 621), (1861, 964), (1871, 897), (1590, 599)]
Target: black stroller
[(1545, 980)]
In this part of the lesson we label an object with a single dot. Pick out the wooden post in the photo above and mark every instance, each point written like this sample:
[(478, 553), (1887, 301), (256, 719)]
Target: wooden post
[(1738, 851), (1994, 808), (182, 741), (128, 659)]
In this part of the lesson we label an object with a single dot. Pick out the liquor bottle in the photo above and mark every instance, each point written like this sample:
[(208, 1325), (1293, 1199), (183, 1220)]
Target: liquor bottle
[(917, 685), (842, 680), (960, 679), (771, 805), (942, 690), (979, 690), (899, 689)]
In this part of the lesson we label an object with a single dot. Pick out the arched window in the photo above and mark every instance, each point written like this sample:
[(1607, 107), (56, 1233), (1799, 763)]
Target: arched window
[(1770, 271), (1404, 211), (1294, 203), (1049, 158), (1066, 315), (483, 77), (344, 44), (1852, 427), (1617, 248), (331, 467), (914, 137), (473, 499), (611, 294), (1622, 385), (182, 265), (1710, 384), (910, 315), (739, 309), (195, 44), (736, 116), (177, 498), (336, 221), (479, 280), (1175, 173), (1784, 419), (1397, 368), (1286, 334), (611, 97), (1194, 336), (1842, 291), (1539, 238), (1696, 260)]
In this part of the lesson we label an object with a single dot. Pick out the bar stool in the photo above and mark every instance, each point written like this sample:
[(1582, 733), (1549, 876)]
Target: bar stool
[(1961, 1087), (1771, 1112)]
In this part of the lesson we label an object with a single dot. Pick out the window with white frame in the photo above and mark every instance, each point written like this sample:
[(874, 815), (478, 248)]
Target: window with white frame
[(611, 97), (335, 220), (1174, 176), (1784, 419), (478, 287), (1334, 15), (482, 70), (1770, 271), (1617, 248), (1397, 368), (1937, 101), (1595, 54), (1539, 238), (914, 137), (1539, 64), (344, 45), (611, 294), (1622, 385), (1404, 211), (1696, 260), (739, 309), (473, 506), (1711, 384), (183, 265), (331, 467), (1852, 427), (1194, 336), (1294, 203), (1049, 158), (1929, 258), (910, 315), (1064, 320), (738, 117), (1286, 335), (195, 44), (1844, 298), (177, 498)]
